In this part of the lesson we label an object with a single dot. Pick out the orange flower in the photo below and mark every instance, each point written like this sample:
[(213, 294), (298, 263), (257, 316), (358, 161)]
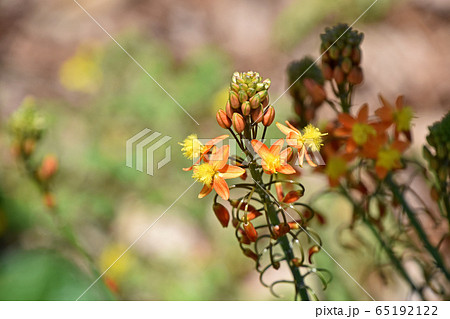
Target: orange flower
[(193, 148), (401, 116), (274, 160), (214, 171), (389, 158), (310, 139), (361, 133)]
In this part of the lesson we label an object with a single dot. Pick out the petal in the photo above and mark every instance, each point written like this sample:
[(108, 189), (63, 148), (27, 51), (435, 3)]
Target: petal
[(187, 169), (221, 187), (399, 102), (342, 132), (292, 127), (384, 113), (301, 156), (351, 146), (309, 160), (381, 172), (216, 140), (363, 113), (286, 154), (286, 169), (279, 191), (220, 157), (231, 171), (260, 148), (284, 129), (276, 147), (346, 120), (385, 102), (205, 191)]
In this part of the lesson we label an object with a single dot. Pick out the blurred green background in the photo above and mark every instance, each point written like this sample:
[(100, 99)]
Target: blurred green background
[(95, 98)]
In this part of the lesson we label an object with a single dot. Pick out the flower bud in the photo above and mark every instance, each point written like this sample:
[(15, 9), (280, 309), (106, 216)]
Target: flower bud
[(235, 87), (346, 65), (28, 146), (292, 196), (255, 101), (242, 96), (48, 167), (238, 123), (327, 71), (281, 230), (245, 108), (234, 100), (334, 52), (263, 94), (314, 249), (269, 116), (338, 75), (265, 102), (347, 51), (222, 119), (356, 56), (355, 76), (267, 83), (250, 231), (257, 115), (222, 214), (316, 91), (229, 110)]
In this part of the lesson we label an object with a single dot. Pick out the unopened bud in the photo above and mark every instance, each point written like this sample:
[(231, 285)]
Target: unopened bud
[(235, 87), (257, 115), (269, 116), (229, 110), (316, 91), (29, 146), (267, 83), (355, 76), (263, 94), (255, 101), (356, 56), (48, 167), (222, 214), (238, 123), (265, 102), (346, 65), (222, 119), (49, 200), (347, 51), (249, 253), (234, 100), (292, 196), (327, 71), (242, 96), (338, 75), (334, 52), (246, 108)]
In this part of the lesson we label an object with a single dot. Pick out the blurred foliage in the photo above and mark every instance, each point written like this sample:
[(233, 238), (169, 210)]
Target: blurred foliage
[(301, 16)]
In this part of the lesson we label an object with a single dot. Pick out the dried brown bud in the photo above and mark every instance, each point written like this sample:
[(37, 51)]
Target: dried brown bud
[(238, 123), (222, 119), (269, 116), (250, 231), (222, 214)]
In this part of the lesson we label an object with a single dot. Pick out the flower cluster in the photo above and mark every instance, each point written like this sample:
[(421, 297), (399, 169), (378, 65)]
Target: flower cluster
[(258, 213)]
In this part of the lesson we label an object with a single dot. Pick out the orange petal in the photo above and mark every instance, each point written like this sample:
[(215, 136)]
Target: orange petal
[(351, 146), (301, 156), (363, 113), (286, 169), (381, 172), (220, 157), (385, 102), (341, 132), (400, 146), (292, 127), (346, 120), (399, 102), (216, 140), (384, 113), (231, 171), (279, 191), (205, 191), (221, 187), (260, 148), (286, 130), (187, 169), (309, 160), (276, 147), (286, 154)]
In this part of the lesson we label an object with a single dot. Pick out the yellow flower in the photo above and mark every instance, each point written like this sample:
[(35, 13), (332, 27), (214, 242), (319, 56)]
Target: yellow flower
[(82, 72), (312, 137), (361, 133), (403, 118), (192, 147)]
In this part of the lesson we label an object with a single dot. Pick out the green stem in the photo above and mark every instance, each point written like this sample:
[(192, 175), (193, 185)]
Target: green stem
[(390, 253), (434, 252)]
